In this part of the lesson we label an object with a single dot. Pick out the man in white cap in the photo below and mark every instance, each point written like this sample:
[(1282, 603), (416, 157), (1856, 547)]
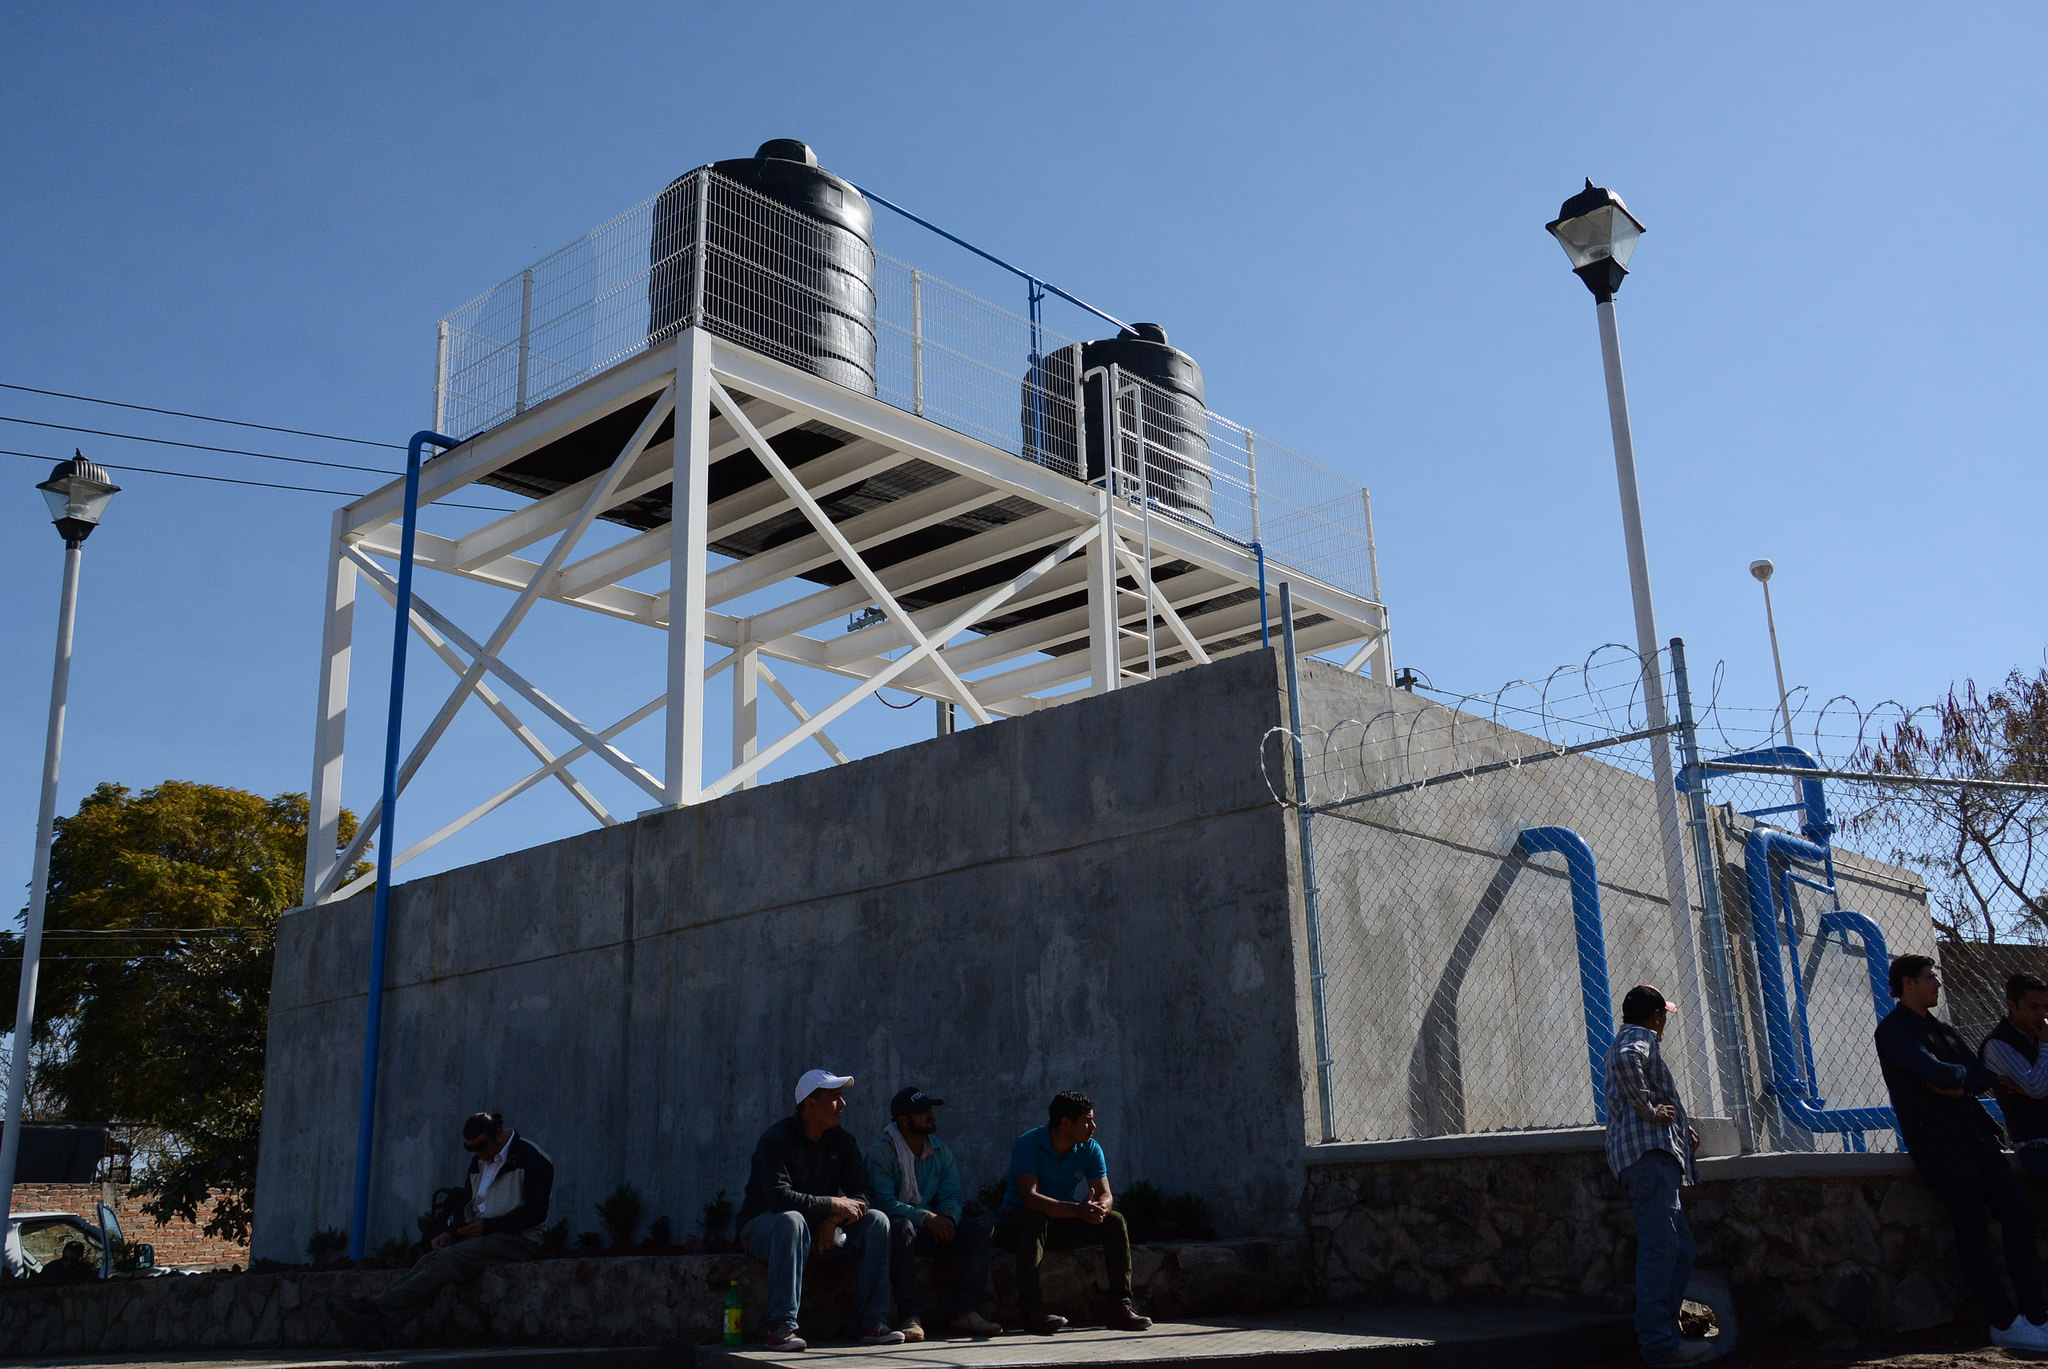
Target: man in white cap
[(808, 1195)]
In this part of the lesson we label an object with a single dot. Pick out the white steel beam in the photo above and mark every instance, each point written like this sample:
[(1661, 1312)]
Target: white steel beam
[(802, 715), (843, 549), (1158, 600), (746, 707), (689, 549), (330, 728), (1104, 620)]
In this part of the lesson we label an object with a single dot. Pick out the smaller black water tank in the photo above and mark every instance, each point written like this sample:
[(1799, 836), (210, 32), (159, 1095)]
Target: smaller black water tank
[(800, 286), (1169, 409)]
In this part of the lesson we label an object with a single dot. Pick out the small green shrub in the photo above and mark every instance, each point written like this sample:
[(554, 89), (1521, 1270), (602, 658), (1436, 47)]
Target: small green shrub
[(589, 1240), (555, 1236), (717, 1217), (661, 1232), (397, 1248), (325, 1244), (620, 1214), (990, 1194)]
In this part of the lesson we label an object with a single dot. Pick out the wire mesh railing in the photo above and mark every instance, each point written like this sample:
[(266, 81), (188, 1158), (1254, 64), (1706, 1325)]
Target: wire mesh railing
[(806, 292), (1488, 883)]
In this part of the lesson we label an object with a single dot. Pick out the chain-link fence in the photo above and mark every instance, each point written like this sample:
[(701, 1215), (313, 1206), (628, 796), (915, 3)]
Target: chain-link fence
[(1488, 876)]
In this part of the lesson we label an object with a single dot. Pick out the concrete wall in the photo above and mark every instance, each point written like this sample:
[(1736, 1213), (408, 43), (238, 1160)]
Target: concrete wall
[(1094, 897)]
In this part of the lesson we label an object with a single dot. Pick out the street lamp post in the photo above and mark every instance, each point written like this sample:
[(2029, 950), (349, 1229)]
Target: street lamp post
[(1599, 235), (78, 493), (1762, 569)]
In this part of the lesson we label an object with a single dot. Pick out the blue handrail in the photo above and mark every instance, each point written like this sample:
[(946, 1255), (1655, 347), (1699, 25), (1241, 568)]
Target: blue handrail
[(1584, 876)]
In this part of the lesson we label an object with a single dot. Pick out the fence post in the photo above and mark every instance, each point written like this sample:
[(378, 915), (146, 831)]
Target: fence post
[(441, 377), (525, 335), (1251, 474), (1325, 1099), (1727, 1022), (700, 249), (917, 343)]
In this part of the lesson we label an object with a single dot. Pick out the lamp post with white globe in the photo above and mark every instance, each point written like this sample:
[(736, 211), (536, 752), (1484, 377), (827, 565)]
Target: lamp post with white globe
[(1599, 236), (1762, 569), (78, 493)]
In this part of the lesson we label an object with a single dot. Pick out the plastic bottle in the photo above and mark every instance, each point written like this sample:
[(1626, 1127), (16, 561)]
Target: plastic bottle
[(732, 1314)]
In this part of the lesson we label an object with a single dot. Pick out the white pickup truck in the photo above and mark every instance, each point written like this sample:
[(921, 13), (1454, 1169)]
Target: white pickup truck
[(35, 1239)]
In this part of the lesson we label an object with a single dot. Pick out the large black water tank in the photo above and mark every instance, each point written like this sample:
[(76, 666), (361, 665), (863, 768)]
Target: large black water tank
[(799, 286), (1171, 406)]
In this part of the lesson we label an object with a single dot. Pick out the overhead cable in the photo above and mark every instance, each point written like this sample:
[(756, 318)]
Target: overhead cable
[(198, 446), (259, 484), (206, 418)]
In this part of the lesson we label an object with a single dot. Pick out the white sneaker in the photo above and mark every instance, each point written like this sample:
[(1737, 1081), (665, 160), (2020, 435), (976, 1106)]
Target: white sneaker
[(2021, 1335)]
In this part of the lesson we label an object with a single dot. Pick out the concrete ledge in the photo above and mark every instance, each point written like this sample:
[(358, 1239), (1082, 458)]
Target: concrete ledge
[(1788, 1164), (1551, 1141)]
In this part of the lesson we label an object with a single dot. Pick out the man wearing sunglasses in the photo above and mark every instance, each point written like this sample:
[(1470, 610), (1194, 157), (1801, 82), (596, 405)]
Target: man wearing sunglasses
[(510, 1181)]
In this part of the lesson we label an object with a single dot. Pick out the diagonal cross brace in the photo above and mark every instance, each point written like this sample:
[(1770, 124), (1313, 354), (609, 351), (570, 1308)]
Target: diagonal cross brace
[(555, 766), (842, 548), (453, 660), (1157, 599), (595, 503), (803, 715), (896, 667)]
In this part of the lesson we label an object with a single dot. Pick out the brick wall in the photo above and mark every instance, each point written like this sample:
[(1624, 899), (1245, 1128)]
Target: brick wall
[(180, 1243)]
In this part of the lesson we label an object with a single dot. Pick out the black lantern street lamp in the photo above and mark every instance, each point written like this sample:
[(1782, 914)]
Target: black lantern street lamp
[(1599, 235), (78, 493)]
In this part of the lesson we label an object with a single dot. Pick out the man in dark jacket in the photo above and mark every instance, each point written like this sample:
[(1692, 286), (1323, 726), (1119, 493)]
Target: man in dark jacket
[(1932, 1075), (2014, 1056), (510, 1182), (807, 1194)]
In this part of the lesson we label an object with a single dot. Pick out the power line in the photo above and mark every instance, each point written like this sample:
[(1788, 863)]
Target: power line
[(259, 484), (206, 418), (197, 446)]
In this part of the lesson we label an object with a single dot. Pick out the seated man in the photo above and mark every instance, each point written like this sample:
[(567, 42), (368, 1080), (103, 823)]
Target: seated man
[(69, 1267), (1063, 1158), (2014, 1056), (914, 1180), (807, 1194), (510, 1181), (1931, 1073)]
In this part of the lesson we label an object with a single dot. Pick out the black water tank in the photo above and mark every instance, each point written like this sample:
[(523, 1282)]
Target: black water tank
[(799, 286), (1170, 405)]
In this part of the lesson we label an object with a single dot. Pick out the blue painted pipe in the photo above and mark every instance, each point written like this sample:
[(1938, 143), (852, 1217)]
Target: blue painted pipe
[(1265, 616), (373, 1029), (1592, 939), (1794, 1095), (1813, 796)]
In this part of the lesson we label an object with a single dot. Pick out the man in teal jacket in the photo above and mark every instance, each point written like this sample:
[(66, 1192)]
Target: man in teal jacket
[(914, 1180)]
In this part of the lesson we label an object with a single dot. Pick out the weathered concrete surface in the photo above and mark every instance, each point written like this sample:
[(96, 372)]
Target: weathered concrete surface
[(617, 1301), (1096, 896), (1832, 1244)]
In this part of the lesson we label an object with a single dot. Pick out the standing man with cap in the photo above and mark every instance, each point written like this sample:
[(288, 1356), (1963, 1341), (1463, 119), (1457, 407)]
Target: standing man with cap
[(807, 1194), (914, 1180), (1932, 1075), (1649, 1148)]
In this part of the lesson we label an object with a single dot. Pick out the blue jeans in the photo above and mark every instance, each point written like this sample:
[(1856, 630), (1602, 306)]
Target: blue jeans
[(1664, 1250), (783, 1239)]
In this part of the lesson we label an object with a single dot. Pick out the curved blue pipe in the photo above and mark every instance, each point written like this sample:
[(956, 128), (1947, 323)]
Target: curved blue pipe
[(1592, 940), (1793, 1093), (373, 1030)]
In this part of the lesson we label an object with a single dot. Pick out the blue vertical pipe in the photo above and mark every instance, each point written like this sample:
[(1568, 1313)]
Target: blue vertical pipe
[(373, 1029), (1592, 943)]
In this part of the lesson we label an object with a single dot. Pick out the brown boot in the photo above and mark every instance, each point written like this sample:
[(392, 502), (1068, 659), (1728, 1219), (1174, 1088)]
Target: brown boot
[(1039, 1322), (1123, 1317)]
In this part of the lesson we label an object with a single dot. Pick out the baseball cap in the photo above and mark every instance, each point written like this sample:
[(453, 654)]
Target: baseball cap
[(1643, 1000), (814, 1080), (910, 1101)]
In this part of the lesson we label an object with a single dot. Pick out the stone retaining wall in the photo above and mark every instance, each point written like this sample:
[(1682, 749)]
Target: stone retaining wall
[(1807, 1242), (624, 1300)]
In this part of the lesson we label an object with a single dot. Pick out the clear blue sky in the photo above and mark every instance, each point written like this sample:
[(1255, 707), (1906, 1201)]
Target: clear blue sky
[(1834, 334)]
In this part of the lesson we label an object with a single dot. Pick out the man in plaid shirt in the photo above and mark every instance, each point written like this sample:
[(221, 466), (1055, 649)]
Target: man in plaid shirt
[(1649, 1148)]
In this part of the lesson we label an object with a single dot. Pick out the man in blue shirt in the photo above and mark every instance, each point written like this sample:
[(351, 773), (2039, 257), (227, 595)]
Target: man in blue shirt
[(913, 1178), (1050, 1167)]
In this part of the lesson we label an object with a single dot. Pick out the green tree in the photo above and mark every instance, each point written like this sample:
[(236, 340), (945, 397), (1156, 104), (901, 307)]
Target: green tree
[(1983, 847), (154, 998)]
